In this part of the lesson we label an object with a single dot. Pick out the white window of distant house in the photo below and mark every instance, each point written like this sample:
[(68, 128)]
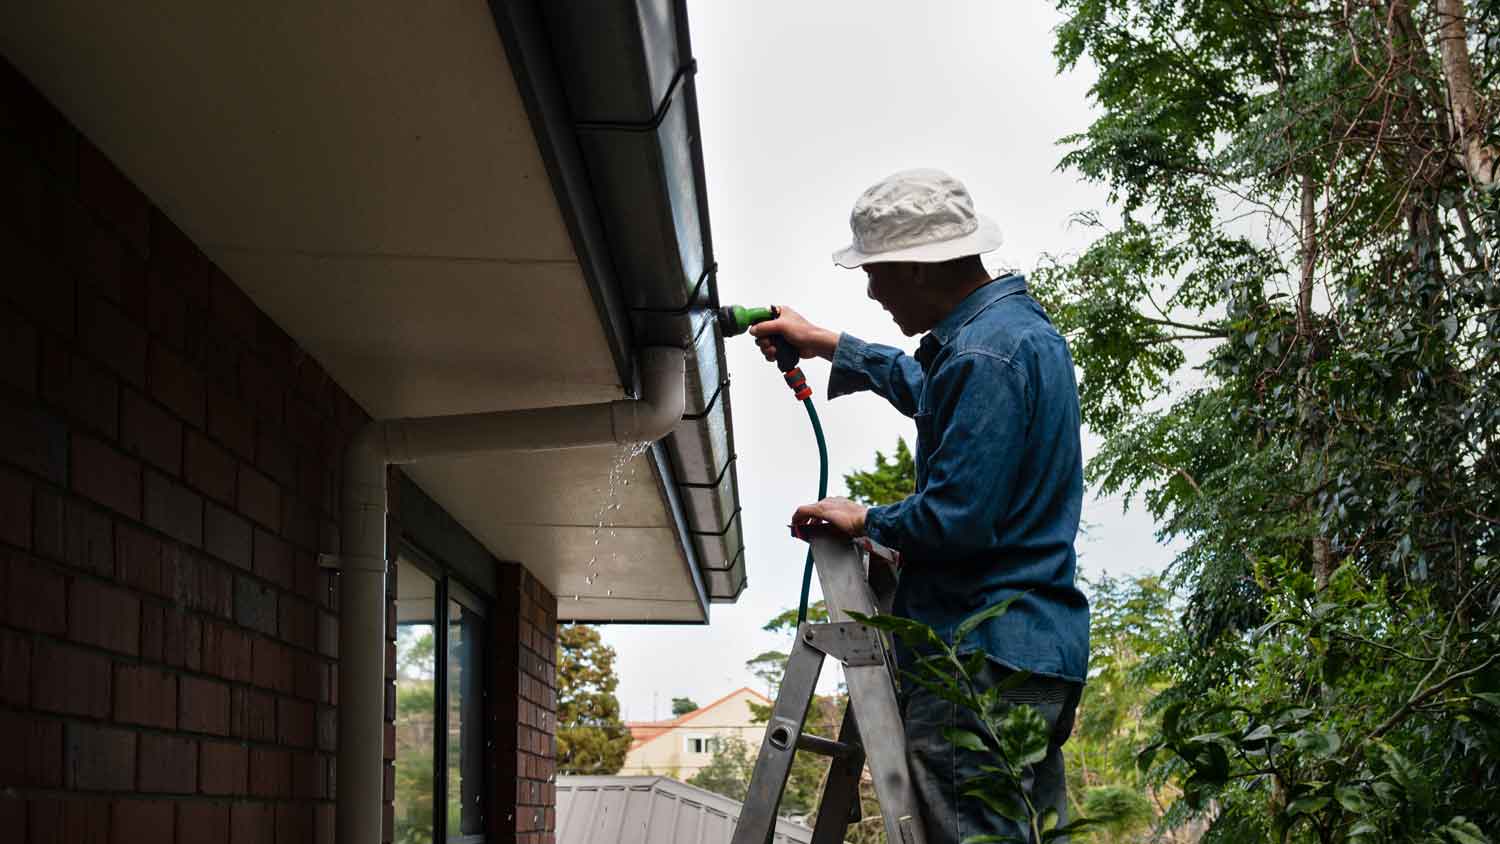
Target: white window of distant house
[(439, 669), (702, 744)]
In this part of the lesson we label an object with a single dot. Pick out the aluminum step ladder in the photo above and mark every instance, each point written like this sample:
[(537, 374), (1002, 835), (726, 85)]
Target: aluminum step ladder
[(860, 576)]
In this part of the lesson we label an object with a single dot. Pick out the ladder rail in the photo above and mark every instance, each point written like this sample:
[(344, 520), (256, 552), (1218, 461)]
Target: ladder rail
[(847, 571)]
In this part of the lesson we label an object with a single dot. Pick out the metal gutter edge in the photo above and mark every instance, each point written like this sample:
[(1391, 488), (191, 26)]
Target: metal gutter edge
[(640, 227)]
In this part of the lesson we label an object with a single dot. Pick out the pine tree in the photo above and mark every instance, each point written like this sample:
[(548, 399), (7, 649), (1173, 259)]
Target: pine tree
[(591, 739)]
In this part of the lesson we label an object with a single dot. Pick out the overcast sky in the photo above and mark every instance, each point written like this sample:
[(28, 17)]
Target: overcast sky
[(803, 106)]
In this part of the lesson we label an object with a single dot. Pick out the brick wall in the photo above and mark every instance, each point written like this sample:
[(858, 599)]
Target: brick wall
[(168, 474), (525, 643)]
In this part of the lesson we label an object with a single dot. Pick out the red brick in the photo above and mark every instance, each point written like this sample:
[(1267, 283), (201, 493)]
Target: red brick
[(259, 498), (106, 476), (273, 559), (104, 616), (166, 311), (146, 696), (171, 637), (299, 522), (15, 669), (305, 424), (105, 190), (20, 352), (33, 754), (142, 822), (295, 722), (312, 480), (91, 250), (200, 820), (78, 820), (388, 825), (294, 823), (223, 768), (70, 680), (75, 532), (99, 758), (149, 432), (230, 422), (226, 652), (252, 715), (298, 622), (168, 764), (270, 772), (232, 308), (42, 289), (207, 585), (209, 468), (308, 576), (205, 706), (138, 559), (173, 509), (34, 594), (227, 536), (272, 665), (274, 457), (13, 816), (33, 440), (178, 259), (261, 389), (252, 823), (111, 338), (15, 509), (82, 390), (176, 384), (309, 776)]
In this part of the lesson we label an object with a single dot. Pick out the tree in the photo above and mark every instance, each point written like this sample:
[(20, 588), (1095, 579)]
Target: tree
[(591, 739), (682, 706), (728, 772), (1288, 346), (890, 480)]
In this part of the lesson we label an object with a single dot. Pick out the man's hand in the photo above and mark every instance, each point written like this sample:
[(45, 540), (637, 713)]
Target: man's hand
[(842, 513), (810, 341)]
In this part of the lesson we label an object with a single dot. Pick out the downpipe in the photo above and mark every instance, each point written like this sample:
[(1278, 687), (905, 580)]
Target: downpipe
[(360, 756)]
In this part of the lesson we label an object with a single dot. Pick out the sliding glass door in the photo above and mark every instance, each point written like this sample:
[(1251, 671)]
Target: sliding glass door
[(440, 704)]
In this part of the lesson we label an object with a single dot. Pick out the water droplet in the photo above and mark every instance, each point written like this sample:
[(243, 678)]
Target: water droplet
[(575, 596), (609, 592), (589, 581)]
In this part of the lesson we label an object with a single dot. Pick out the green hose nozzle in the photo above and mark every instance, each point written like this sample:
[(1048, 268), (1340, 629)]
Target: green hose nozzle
[(737, 319)]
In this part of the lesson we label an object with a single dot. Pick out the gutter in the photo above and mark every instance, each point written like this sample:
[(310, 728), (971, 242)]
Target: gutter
[(362, 563), (611, 93)]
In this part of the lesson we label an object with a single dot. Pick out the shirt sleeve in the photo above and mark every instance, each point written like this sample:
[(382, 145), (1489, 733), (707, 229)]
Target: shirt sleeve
[(885, 370), (978, 425)]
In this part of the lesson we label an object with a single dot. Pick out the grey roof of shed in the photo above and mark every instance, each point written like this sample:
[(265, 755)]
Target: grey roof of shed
[(651, 810)]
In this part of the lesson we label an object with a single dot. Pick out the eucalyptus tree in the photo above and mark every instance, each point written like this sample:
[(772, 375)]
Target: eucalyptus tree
[(1288, 343)]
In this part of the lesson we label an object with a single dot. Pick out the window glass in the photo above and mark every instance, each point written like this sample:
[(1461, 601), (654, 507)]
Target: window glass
[(465, 683), (416, 704)]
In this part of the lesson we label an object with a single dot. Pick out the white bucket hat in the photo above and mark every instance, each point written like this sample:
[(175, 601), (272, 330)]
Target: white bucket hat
[(924, 216)]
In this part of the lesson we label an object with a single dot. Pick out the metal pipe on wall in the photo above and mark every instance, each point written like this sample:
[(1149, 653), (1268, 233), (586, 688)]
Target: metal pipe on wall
[(360, 757)]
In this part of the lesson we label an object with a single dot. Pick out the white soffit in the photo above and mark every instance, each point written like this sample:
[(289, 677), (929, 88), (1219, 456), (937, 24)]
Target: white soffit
[(366, 172)]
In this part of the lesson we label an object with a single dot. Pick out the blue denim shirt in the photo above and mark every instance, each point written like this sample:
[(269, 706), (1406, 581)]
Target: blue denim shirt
[(999, 477)]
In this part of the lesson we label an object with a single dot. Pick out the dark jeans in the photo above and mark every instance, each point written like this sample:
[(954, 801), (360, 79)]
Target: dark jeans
[(939, 769)]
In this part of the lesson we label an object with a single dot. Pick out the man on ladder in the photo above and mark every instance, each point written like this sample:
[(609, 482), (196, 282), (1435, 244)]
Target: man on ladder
[(999, 475)]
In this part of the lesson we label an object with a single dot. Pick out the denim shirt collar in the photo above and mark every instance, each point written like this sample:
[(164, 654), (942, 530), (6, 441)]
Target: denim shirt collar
[(972, 306)]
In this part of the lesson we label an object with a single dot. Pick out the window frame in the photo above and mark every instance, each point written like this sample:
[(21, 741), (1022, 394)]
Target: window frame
[(445, 583)]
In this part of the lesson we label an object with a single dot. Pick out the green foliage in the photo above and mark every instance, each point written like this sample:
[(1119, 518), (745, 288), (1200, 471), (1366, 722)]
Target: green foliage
[(1014, 736), (1289, 346), (591, 739), (728, 772), (683, 705), (890, 480)]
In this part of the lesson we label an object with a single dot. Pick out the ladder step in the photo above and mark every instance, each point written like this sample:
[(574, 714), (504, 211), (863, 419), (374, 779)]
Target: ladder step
[(826, 746)]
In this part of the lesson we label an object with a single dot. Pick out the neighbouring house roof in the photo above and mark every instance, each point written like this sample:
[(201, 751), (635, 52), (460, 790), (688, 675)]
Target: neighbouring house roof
[(642, 732), (651, 810)]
